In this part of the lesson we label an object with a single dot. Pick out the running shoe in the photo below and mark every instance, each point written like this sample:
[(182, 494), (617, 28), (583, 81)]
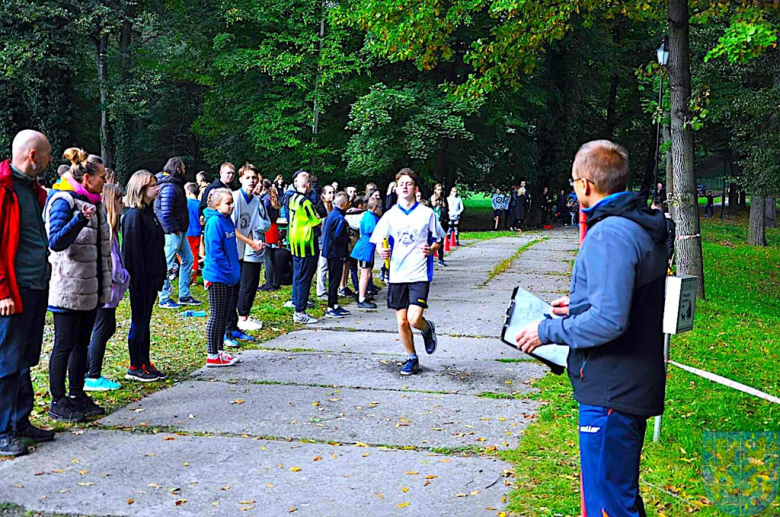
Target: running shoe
[(141, 375), (232, 343), (241, 336), (249, 324), (154, 371), (411, 366), (289, 304), (342, 311), (10, 446), (333, 313), (63, 411), (83, 404), (430, 337), (189, 300), (220, 361), (346, 292), (100, 384), (304, 318), (366, 305), (169, 304), (35, 434)]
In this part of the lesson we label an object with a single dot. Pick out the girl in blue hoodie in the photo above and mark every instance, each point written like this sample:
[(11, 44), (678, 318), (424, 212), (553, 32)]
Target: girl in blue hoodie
[(221, 271)]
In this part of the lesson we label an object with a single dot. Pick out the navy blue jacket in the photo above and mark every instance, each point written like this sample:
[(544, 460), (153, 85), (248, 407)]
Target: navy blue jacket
[(335, 235), (170, 207), (614, 328)]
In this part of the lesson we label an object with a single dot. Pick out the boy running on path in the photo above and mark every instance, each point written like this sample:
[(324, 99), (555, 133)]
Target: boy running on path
[(416, 237)]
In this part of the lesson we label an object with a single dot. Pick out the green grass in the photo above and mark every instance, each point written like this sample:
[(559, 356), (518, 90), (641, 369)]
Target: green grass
[(178, 348), (737, 335)]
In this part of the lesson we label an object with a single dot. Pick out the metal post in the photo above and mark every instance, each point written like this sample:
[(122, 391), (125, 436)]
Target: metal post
[(658, 132), (657, 430)]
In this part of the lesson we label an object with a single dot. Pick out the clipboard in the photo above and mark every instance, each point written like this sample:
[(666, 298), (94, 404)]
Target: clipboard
[(523, 309)]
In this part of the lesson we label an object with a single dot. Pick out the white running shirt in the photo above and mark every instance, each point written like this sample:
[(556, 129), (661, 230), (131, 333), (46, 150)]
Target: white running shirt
[(408, 230)]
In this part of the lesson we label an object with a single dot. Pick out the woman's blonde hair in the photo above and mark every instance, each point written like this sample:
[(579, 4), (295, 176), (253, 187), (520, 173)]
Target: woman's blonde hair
[(136, 188), (216, 195), (112, 194), (82, 163)]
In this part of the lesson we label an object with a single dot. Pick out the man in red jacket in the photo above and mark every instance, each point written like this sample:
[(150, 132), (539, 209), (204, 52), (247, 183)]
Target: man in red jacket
[(24, 284)]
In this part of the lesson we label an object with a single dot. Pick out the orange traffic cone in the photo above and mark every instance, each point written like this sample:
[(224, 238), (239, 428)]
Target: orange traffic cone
[(453, 242), (446, 244)]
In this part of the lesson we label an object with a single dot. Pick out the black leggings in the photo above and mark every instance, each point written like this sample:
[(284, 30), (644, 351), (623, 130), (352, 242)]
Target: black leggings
[(72, 330), (139, 338), (335, 271), (105, 328), (455, 227), (221, 298), (244, 295)]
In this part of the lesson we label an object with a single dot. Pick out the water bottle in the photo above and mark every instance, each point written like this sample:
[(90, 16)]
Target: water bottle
[(193, 314)]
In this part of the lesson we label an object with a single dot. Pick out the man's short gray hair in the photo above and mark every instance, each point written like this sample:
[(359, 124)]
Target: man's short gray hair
[(605, 164)]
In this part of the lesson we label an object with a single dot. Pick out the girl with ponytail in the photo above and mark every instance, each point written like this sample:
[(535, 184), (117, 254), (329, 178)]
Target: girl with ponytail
[(79, 241)]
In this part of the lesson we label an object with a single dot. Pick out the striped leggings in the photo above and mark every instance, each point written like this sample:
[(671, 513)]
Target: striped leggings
[(222, 303)]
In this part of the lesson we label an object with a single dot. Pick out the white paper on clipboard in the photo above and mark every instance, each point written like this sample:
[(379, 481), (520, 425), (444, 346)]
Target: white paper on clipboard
[(526, 308)]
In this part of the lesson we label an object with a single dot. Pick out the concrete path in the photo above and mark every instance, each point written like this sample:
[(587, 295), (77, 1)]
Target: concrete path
[(319, 422)]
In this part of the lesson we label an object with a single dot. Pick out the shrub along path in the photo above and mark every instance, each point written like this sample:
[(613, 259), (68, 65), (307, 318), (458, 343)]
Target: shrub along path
[(320, 422)]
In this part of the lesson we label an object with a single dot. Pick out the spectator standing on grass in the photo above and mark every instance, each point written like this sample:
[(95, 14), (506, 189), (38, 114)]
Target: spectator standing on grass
[(143, 254), (195, 229), (24, 285), (171, 210), (227, 172), (272, 205), (105, 321), (323, 208), (561, 210), (80, 256), (709, 208), (222, 273), (612, 323), (251, 223), (303, 245), (335, 241), (671, 231)]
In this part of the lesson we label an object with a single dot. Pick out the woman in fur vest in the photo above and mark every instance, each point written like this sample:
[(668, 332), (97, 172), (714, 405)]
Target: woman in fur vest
[(80, 260)]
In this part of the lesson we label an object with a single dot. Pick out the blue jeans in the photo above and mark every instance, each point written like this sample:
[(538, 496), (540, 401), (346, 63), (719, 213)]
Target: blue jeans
[(21, 337), (303, 273), (176, 244), (610, 445), (709, 209)]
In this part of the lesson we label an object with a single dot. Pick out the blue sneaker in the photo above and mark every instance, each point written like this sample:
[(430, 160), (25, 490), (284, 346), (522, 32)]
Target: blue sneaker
[(169, 304), (240, 336), (411, 366), (100, 384), (189, 300), (342, 311), (232, 343), (333, 313), (430, 337)]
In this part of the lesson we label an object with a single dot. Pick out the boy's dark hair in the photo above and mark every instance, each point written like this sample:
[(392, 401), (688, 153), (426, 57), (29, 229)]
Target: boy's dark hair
[(173, 165), (373, 203), (192, 188), (406, 171)]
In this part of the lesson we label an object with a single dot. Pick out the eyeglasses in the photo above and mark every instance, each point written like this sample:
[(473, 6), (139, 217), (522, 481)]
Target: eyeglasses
[(571, 181)]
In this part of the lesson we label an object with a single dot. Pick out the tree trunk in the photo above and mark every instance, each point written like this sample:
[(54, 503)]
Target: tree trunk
[(668, 171), (757, 231), (101, 54), (122, 128), (733, 199), (689, 250), (771, 212), (611, 122)]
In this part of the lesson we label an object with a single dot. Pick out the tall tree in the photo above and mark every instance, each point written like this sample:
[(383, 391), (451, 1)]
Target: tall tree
[(689, 249)]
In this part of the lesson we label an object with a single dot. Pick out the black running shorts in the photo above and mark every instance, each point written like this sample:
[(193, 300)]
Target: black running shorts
[(401, 296), (363, 264)]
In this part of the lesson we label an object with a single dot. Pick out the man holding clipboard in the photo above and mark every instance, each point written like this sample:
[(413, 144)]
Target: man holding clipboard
[(612, 324)]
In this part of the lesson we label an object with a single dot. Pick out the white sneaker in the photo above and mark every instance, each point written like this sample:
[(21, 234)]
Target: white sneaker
[(304, 318), (289, 304), (249, 324)]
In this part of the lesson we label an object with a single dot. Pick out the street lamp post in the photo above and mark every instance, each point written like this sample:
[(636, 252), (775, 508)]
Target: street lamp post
[(663, 58)]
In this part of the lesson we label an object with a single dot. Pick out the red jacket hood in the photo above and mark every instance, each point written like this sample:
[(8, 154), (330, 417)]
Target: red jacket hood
[(7, 181)]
